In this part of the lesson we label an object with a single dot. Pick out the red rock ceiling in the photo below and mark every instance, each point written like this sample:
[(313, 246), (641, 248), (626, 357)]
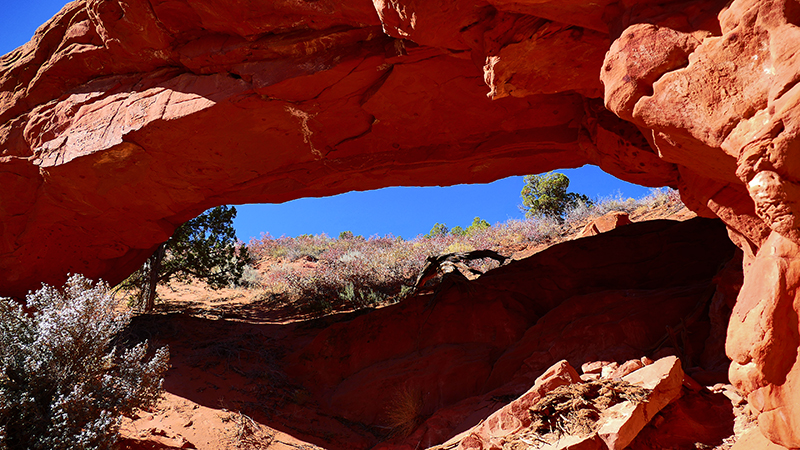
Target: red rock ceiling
[(123, 118)]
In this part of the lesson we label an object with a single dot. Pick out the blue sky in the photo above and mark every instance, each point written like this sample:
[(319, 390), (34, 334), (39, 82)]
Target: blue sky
[(401, 211), (409, 211)]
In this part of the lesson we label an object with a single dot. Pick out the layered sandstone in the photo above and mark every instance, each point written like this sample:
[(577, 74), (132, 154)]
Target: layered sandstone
[(123, 118)]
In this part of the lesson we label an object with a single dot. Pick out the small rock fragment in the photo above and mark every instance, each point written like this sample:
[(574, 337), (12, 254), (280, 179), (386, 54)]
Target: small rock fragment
[(626, 368), (609, 369), (620, 424)]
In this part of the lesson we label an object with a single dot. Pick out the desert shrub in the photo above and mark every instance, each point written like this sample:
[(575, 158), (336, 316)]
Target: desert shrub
[(360, 273), (350, 235), (63, 385), (248, 433), (663, 196), (347, 272), (251, 277), (458, 246), (361, 297), (404, 411), (356, 272), (600, 206), (267, 247), (307, 246)]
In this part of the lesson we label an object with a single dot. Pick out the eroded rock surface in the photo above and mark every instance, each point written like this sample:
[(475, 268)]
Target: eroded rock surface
[(123, 118), (723, 106), (468, 347)]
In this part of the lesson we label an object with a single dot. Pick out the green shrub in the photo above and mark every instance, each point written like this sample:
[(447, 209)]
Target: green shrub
[(63, 385), (362, 297), (457, 231), (478, 225), (439, 229)]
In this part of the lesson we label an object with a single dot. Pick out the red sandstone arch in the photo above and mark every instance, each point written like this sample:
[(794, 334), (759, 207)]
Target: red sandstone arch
[(123, 118)]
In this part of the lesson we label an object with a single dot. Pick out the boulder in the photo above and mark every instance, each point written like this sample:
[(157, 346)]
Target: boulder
[(695, 419), (625, 369), (663, 379), (763, 340), (608, 221), (754, 440)]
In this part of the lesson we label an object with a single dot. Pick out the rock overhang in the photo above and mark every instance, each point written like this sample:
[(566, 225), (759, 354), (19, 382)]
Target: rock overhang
[(124, 119)]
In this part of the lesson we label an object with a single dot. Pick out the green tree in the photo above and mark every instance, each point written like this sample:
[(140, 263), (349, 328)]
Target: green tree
[(478, 224), (547, 195), (439, 229), (204, 248), (457, 231), (348, 235)]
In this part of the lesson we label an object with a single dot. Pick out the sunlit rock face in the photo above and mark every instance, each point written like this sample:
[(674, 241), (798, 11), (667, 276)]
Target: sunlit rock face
[(723, 106), (123, 118)]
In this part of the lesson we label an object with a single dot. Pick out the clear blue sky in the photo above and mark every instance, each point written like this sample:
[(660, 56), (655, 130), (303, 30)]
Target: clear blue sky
[(409, 211), (392, 210)]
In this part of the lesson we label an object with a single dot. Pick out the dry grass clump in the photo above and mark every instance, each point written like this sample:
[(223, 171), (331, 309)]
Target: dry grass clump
[(404, 411), (575, 408), (249, 434)]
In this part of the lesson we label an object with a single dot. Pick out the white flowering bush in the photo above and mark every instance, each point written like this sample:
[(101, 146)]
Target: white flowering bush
[(63, 384)]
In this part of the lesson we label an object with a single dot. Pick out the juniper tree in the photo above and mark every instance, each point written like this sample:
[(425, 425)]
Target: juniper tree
[(204, 248), (546, 195)]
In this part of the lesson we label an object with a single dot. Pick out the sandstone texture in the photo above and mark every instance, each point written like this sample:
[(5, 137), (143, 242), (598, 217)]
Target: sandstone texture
[(121, 119), (471, 345)]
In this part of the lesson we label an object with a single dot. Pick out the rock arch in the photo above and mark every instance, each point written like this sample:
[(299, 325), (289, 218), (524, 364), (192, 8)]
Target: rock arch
[(123, 118)]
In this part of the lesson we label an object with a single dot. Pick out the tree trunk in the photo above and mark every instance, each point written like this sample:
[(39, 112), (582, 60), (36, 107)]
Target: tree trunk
[(152, 279)]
